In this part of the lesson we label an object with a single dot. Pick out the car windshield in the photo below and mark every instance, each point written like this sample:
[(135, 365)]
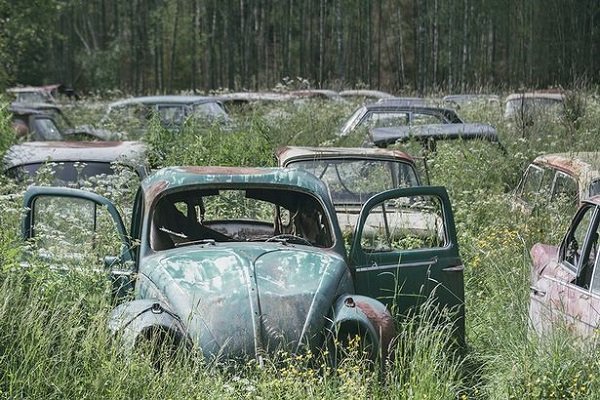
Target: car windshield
[(239, 215), (72, 174), (354, 181)]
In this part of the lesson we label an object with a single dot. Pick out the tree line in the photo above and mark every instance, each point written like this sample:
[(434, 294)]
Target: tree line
[(160, 46)]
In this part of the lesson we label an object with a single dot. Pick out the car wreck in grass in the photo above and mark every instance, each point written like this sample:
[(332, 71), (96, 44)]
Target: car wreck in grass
[(43, 121), (352, 175), (569, 177), (526, 107), (72, 163), (243, 261), (135, 114), (397, 112), (565, 279)]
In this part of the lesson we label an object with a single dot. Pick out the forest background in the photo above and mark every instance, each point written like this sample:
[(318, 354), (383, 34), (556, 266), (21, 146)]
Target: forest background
[(422, 46)]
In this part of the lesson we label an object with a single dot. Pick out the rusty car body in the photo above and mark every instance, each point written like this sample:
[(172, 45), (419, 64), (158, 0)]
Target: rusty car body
[(352, 175), (134, 114), (570, 177), (397, 112), (565, 279), (243, 261), (70, 163)]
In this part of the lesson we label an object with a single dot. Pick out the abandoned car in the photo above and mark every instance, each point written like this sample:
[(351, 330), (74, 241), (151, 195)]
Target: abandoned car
[(568, 177), (240, 261), (72, 163), (133, 115), (352, 175), (565, 280), (428, 135), (528, 106), (45, 121), (393, 112)]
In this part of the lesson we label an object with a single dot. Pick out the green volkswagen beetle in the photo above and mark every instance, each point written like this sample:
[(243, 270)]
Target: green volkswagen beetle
[(241, 261)]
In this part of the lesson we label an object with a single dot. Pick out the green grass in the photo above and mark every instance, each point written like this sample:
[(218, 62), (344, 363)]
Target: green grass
[(53, 337)]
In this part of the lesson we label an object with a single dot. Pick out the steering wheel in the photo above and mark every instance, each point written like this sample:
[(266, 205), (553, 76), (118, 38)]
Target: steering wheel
[(285, 237)]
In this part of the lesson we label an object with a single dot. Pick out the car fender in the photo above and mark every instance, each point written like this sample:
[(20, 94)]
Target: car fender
[(130, 321), (368, 315)]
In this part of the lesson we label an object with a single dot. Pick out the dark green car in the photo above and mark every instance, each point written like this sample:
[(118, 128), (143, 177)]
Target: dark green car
[(239, 261)]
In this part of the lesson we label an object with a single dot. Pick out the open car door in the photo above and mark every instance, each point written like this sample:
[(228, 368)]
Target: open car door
[(75, 229), (405, 251)]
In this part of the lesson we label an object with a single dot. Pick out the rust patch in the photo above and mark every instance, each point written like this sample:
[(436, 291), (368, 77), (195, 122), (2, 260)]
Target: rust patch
[(383, 323), (541, 255), (222, 170), (153, 191)]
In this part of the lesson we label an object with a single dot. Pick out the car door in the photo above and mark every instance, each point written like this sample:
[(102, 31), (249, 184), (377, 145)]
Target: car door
[(561, 292), (405, 251), (75, 229)]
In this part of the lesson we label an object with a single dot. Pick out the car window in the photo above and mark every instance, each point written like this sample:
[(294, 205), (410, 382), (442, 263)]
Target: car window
[(594, 188), (576, 236), (590, 277), (386, 119), (46, 128), (425, 119), (404, 224), (71, 231), (171, 114), (565, 189), (536, 182), (211, 110), (355, 181)]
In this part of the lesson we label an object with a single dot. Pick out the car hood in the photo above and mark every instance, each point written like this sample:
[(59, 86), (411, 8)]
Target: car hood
[(240, 298)]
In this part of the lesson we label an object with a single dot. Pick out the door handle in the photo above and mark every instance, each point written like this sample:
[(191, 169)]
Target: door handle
[(584, 296), (536, 291), (458, 268)]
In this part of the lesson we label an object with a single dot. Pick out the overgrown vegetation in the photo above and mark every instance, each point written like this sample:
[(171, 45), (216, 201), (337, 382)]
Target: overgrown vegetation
[(55, 344)]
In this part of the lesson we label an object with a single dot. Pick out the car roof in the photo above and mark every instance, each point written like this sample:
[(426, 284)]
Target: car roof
[(129, 152), (253, 96), (287, 153), (36, 106), (168, 99), (467, 97), (404, 105), (391, 135), (536, 95), (583, 165), (318, 93), (365, 93), (172, 178)]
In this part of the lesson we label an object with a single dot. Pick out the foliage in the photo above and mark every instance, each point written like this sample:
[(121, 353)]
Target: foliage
[(55, 324)]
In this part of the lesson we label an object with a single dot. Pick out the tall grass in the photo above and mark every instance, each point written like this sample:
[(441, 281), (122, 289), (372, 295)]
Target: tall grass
[(54, 342)]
